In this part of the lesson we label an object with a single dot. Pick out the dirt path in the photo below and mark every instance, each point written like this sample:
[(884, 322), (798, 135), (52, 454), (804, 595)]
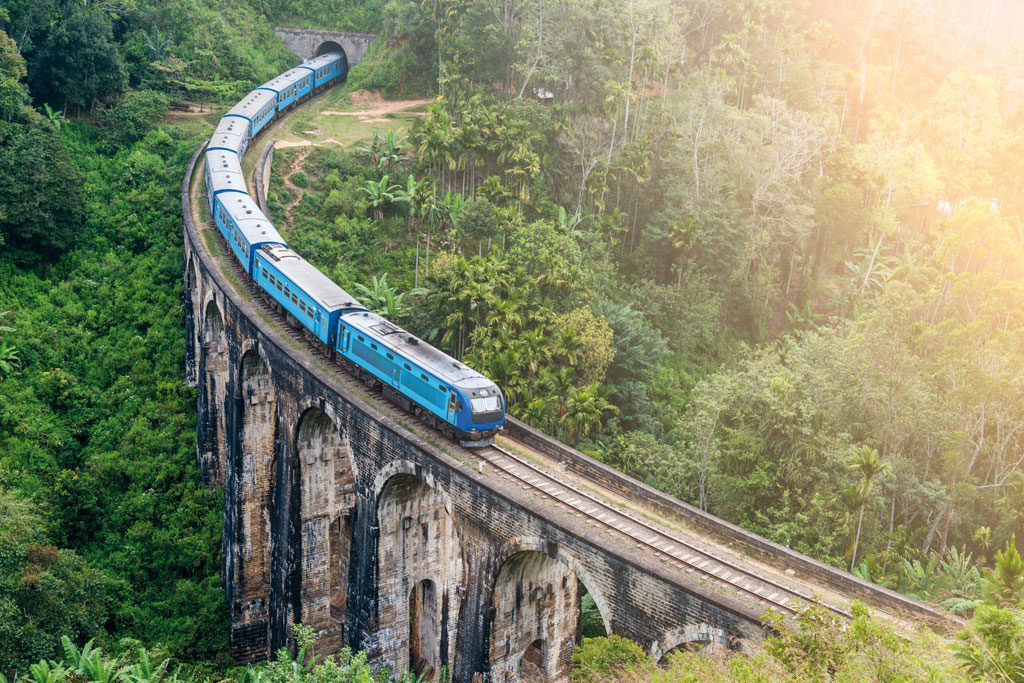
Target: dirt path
[(294, 191), (285, 144), (377, 110)]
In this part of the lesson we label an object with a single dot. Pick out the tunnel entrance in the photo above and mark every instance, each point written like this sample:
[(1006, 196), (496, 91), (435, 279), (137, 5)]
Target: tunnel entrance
[(331, 46)]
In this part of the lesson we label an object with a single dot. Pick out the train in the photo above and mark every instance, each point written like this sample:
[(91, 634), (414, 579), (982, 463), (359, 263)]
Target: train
[(419, 378)]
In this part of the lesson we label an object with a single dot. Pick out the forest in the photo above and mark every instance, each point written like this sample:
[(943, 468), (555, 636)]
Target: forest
[(763, 255)]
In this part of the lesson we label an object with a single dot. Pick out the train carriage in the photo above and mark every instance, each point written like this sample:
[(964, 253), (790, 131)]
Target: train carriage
[(290, 86), (414, 374), (244, 226), (326, 68), (258, 107), (223, 175), (307, 294), (232, 135)]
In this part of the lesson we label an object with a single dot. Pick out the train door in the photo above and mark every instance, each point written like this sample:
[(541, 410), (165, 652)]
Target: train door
[(452, 402)]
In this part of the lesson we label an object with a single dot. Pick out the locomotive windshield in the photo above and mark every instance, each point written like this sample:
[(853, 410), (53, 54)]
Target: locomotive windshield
[(486, 404)]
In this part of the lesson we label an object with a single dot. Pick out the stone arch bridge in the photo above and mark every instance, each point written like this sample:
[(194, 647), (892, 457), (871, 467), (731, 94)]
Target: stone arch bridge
[(347, 516)]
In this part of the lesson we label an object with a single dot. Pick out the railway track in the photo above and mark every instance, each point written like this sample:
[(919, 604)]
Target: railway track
[(677, 552)]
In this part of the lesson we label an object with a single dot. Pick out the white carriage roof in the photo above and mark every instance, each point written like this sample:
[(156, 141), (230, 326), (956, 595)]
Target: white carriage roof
[(290, 77), (225, 171), (322, 60), (414, 348), (315, 284), (230, 133), (253, 223), (252, 103)]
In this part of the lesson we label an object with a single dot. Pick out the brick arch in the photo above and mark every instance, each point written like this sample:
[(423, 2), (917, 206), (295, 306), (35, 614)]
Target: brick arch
[(213, 322), (326, 496), (192, 278), (536, 610), (396, 467), (705, 634), (541, 545), (255, 478), (418, 541), (213, 369)]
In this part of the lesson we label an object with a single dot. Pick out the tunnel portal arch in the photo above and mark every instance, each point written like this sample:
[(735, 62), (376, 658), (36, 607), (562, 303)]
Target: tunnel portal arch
[(329, 46)]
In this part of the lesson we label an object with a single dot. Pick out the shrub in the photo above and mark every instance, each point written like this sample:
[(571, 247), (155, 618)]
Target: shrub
[(611, 655)]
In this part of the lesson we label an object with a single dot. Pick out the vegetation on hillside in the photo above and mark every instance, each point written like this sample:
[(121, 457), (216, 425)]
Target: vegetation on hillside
[(740, 256)]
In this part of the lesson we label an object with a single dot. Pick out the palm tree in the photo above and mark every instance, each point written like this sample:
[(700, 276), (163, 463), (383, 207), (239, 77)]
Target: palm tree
[(585, 410), (384, 299), (866, 461)]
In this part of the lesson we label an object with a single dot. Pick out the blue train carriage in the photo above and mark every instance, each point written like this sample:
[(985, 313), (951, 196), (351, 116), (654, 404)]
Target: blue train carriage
[(290, 86), (244, 226), (420, 378), (326, 68), (232, 135), (257, 108), (223, 174), (302, 290)]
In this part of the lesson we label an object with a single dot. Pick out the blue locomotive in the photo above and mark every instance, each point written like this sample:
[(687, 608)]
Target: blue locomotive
[(419, 378)]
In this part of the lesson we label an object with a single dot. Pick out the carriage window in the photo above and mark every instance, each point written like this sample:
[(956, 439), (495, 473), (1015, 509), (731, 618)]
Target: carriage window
[(279, 285), (287, 292), (425, 378), (360, 337), (302, 306), (295, 299), (390, 357), (265, 274), (372, 345), (318, 316), (408, 367)]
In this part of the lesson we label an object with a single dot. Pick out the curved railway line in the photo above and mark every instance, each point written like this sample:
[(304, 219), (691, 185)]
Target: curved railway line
[(691, 554), (726, 575), (679, 552)]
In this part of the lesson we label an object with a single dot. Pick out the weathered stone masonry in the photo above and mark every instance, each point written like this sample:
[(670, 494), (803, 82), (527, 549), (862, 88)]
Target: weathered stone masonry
[(338, 518)]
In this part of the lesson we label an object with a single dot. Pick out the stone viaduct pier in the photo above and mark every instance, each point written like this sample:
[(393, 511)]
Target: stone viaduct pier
[(348, 515)]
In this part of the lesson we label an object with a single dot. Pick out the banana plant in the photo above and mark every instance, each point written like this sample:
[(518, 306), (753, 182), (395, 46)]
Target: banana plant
[(47, 672), (145, 672), (89, 662)]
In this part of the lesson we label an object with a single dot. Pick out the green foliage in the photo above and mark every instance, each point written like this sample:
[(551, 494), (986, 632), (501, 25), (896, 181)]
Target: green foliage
[(13, 94), (133, 116), (41, 200), (591, 623), (79, 62), (606, 656), (1004, 585), (45, 591), (97, 428), (993, 645)]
